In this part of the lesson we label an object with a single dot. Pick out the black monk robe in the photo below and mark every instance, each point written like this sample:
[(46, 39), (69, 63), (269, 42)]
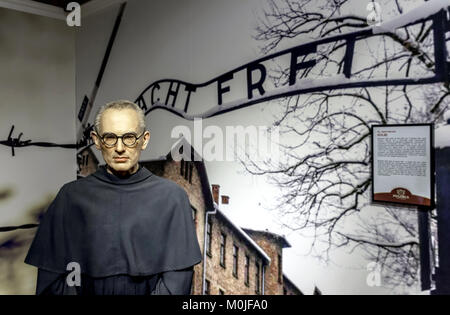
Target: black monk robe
[(132, 235)]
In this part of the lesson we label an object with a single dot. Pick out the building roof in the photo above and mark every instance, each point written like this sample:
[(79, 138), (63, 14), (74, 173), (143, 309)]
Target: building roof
[(280, 238), (243, 234), (199, 164), (91, 152), (201, 169), (317, 291), (186, 150), (286, 279)]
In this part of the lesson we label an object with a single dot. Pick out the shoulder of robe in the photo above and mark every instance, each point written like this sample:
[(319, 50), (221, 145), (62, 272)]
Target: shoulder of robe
[(174, 191), (169, 185), (77, 185)]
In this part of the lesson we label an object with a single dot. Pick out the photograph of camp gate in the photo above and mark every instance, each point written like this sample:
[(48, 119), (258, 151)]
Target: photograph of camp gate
[(225, 147)]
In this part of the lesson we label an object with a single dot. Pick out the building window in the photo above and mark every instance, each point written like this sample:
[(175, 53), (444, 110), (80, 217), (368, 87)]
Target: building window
[(284, 291), (235, 260), (186, 169), (207, 288), (280, 274), (223, 239), (247, 270), (257, 279), (221, 292), (208, 236)]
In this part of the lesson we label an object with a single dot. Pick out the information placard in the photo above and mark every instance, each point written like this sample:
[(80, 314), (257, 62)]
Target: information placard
[(403, 164)]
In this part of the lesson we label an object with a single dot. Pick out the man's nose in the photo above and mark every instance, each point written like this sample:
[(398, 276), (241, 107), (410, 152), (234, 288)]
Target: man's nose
[(119, 145)]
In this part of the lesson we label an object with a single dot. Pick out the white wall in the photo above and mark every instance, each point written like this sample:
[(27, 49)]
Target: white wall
[(37, 85)]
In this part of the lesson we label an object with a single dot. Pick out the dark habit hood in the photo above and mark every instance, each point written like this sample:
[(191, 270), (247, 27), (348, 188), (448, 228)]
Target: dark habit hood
[(137, 225)]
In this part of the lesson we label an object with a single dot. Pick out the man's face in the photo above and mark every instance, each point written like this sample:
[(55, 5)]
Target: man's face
[(120, 122)]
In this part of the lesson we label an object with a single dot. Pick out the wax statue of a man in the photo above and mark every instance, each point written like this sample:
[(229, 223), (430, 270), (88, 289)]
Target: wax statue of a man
[(120, 230)]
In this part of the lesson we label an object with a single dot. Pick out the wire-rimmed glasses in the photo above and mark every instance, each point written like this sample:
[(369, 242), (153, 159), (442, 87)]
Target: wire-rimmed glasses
[(129, 139)]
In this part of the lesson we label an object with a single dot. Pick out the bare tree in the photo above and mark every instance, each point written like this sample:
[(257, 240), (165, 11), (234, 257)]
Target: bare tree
[(325, 179)]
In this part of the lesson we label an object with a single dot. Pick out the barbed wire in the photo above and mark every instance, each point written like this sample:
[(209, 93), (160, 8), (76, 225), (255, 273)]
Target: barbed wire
[(18, 143), (12, 228)]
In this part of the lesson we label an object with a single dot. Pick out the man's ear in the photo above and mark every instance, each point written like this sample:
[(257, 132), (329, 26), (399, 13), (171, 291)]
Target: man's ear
[(96, 140), (146, 139)]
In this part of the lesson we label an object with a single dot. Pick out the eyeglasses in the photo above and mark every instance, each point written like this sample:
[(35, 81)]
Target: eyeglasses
[(129, 139)]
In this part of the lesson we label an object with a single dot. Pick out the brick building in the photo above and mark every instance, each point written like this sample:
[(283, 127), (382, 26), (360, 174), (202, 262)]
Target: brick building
[(289, 288), (236, 260), (235, 264), (273, 245)]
